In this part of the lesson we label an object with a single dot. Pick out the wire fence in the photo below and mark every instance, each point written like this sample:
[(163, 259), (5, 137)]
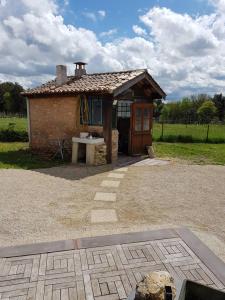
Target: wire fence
[(12, 115), (189, 133)]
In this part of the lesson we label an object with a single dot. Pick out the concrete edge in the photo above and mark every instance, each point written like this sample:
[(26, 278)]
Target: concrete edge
[(214, 263), (89, 242), (126, 238)]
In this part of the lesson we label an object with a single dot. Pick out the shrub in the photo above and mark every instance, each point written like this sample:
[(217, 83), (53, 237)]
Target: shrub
[(177, 139), (9, 135)]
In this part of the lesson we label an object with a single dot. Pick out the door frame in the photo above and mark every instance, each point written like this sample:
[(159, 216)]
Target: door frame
[(142, 135)]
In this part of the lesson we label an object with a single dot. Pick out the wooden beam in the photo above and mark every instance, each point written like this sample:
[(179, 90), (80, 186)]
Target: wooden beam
[(107, 127)]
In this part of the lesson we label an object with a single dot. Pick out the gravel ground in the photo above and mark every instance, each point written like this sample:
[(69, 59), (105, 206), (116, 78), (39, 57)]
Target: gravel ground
[(55, 204)]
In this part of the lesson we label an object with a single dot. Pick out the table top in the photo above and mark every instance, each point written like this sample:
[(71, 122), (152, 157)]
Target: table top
[(88, 140)]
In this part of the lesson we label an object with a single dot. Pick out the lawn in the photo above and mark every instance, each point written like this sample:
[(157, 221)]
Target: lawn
[(20, 123), (194, 153), (18, 156), (190, 132)]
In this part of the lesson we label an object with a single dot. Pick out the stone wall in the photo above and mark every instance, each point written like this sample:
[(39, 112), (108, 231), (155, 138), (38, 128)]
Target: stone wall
[(115, 138), (100, 155)]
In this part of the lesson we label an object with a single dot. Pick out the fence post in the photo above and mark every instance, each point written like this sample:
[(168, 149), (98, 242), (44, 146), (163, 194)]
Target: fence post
[(162, 132), (207, 134)]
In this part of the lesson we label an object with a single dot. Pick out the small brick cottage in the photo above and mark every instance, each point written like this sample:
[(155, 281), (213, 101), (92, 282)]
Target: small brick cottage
[(117, 106)]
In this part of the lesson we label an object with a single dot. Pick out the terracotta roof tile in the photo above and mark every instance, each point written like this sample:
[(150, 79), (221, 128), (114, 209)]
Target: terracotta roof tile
[(97, 82)]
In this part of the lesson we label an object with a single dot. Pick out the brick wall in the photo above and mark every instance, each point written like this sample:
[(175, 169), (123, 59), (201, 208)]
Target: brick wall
[(59, 118), (52, 119)]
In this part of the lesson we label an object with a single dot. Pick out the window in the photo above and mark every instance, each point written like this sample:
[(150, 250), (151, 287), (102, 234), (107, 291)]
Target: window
[(124, 109), (138, 119), (91, 110)]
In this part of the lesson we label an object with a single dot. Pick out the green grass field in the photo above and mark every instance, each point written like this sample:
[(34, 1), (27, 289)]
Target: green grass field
[(194, 153), (198, 133), (18, 156), (20, 123)]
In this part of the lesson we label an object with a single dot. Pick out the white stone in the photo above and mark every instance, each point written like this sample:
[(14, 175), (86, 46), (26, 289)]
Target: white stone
[(121, 169), (103, 216), (110, 183), (116, 175), (153, 286), (152, 162), (99, 196)]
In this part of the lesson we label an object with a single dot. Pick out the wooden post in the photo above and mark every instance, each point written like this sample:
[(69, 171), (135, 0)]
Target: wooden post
[(162, 133), (207, 134), (107, 127)]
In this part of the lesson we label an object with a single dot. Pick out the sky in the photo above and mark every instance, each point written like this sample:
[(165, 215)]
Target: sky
[(181, 43)]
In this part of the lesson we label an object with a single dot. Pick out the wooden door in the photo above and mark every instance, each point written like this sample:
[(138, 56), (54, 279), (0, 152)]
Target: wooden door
[(141, 127)]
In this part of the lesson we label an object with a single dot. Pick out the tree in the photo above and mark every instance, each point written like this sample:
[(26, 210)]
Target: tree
[(8, 102), (158, 106), (206, 112), (18, 102), (219, 101), (165, 112)]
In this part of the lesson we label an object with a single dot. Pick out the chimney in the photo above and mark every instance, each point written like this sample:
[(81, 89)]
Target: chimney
[(80, 69), (61, 74)]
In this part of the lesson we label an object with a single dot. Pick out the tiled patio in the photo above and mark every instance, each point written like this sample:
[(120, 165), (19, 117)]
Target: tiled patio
[(106, 267)]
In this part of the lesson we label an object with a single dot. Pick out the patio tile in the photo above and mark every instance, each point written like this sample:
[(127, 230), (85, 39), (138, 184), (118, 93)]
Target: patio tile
[(103, 216), (110, 183), (116, 175), (99, 196), (107, 267)]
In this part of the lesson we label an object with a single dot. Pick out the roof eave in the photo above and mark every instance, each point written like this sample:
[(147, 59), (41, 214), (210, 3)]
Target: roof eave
[(132, 82)]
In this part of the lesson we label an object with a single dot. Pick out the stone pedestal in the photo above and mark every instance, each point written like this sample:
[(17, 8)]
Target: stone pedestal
[(95, 150), (90, 154)]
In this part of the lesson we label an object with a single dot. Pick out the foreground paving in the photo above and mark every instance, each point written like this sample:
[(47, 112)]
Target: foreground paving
[(106, 267)]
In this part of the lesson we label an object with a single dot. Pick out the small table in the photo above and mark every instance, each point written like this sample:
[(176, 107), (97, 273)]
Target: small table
[(90, 148)]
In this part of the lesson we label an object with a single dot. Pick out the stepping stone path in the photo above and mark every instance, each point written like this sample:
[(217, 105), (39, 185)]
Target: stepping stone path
[(152, 162), (103, 215), (108, 215), (125, 169), (99, 196), (116, 175), (110, 183)]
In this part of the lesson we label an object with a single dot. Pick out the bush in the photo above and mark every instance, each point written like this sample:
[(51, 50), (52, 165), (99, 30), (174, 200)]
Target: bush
[(9, 135)]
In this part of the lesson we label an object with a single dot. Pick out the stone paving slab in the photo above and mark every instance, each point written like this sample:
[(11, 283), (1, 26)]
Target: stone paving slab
[(110, 183), (124, 169), (116, 175), (152, 162), (99, 268), (108, 197)]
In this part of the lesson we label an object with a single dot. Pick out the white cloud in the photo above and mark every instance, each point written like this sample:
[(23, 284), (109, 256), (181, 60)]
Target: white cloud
[(90, 15), (109, 32), (184, 53), (138, 30), (219, 4), (102, 13), (2, 3)]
